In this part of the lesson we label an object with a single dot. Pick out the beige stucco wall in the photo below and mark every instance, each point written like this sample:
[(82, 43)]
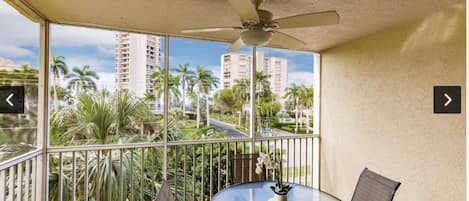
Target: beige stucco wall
[(377, 110)]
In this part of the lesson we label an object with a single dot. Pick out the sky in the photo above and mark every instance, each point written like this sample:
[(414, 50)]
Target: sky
[(19, 42)]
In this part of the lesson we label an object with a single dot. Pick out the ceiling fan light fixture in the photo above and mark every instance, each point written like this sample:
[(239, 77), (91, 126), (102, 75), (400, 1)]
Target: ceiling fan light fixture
[(256, 37)]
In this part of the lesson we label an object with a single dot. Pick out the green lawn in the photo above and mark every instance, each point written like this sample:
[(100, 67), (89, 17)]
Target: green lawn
[(296, 169), (231, 119)]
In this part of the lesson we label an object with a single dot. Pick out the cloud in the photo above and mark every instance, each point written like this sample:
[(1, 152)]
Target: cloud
[(215, 70), (301, 78), (11, 51), (96, 64), (71, 36), (106, 81), (106, 50), (17, 30)]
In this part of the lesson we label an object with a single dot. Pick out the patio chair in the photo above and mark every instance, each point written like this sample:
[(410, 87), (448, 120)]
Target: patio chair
[(165, 193), (242, 165), (374, 187)]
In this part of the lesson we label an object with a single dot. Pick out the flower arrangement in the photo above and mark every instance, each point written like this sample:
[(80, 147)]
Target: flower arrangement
[(270, 162)]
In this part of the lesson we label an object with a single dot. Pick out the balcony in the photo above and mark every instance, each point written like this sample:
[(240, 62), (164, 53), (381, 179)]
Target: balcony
[(373, 105), (196, 169)]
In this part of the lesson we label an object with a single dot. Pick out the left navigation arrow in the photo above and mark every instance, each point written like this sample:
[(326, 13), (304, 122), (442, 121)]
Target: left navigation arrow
[(9, 100)]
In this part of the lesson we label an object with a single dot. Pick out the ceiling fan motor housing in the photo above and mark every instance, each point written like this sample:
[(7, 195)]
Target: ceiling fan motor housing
[(256, 37)]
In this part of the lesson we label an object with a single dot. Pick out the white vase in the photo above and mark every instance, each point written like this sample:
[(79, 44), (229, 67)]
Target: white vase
[(279, 197)]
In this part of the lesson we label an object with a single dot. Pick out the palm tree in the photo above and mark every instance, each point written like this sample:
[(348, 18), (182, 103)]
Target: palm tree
[(183, 73), (292, 93), (158, 84), (240, 89), (306, 100), (173, 88), (262, 81), (58, 67), (148, 96), (81, 80), (205, 82), (191, 89)]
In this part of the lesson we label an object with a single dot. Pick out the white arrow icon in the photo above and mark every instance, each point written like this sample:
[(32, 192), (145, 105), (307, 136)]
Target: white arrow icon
[(8, 100), (449, 99)]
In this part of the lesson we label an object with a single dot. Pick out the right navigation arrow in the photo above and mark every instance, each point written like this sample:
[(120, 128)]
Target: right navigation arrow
[(449, 99)]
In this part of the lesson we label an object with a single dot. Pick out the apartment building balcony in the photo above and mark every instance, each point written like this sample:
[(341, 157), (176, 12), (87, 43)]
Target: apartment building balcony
[(198, 169), (374, 80)]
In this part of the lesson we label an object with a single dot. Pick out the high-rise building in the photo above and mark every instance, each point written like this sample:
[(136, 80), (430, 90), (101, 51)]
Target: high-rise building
[(235, 66), (137, 55)]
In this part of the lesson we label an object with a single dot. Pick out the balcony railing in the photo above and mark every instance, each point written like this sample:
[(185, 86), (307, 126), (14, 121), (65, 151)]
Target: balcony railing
[(196, 170), (18, 177)]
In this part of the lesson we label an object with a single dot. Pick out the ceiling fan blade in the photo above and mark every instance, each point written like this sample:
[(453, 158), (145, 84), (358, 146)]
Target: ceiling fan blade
[(287, 41), (210, 29), (245, 9), (235, 46), (309, 20)]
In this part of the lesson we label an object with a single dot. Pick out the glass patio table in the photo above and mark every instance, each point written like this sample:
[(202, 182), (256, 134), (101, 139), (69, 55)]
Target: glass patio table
[(260, 191)]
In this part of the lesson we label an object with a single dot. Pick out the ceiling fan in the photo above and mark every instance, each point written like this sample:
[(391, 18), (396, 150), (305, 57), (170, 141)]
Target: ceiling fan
[(258, 28)]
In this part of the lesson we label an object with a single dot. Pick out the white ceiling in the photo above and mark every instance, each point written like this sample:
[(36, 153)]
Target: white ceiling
[(358, 17)]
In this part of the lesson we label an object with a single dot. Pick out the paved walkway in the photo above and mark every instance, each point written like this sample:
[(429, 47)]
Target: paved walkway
[(230, 129)]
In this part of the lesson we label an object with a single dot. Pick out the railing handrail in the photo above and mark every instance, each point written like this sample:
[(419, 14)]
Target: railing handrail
[(171, 143), (19, 159)]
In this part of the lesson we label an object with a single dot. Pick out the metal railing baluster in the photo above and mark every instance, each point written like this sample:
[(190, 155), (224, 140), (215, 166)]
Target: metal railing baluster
[(132, 196), (142, 172), (193, 171), (288, 160), (185, 173), (299, 169), (227, 171), (294, 160), (60, 178), (109, 176), (121, 175), (74, 176), (219, 167), (203, 170), (19, 181), (85, 185), (98, 164), (27, 180), (2, 185), (175, 169), (11, 178), (211, 171)]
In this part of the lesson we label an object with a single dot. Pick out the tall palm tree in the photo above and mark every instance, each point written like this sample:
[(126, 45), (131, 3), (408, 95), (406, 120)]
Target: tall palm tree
[(183, 73), (262, 81), (191, 89), (173, 88), (240, 89), (158, 84), (82, 79), (293, 93), (205, 82), (58, 68), (306, 100)]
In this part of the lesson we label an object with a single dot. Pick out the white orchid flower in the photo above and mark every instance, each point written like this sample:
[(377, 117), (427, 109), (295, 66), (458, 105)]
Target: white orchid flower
[(258, 170)]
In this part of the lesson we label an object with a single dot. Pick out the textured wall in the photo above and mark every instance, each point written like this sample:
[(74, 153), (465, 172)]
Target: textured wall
[(377, 109)]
